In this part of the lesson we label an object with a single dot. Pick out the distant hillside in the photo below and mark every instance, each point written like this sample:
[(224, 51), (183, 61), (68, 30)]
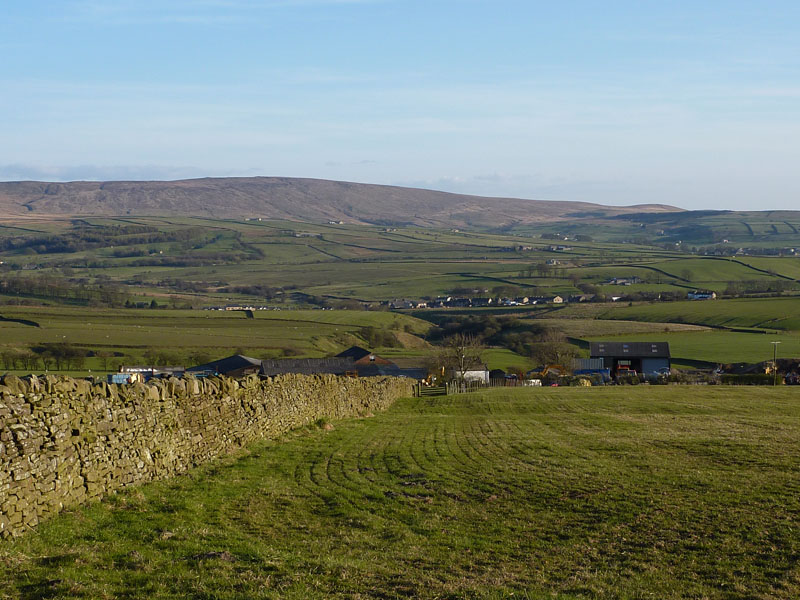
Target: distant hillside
[(294, 199)]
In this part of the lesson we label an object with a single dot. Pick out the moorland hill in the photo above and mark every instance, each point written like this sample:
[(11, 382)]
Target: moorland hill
[(295, 199)]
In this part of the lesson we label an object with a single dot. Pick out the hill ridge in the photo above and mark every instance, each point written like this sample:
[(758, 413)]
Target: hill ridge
[(291, 198)]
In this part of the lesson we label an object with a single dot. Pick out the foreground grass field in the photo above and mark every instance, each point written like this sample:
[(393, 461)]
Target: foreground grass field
[(536, 493)]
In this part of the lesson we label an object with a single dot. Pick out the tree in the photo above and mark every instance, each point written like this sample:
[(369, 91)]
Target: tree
[(552, 348), (104, 355), (461, 352)]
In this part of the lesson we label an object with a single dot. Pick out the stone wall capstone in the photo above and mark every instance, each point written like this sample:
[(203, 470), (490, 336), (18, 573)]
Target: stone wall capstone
[(65, 441)]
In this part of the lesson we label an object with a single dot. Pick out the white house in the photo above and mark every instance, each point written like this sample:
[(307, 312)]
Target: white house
[(474, 374)]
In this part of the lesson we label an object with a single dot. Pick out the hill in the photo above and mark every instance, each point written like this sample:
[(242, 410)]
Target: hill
[(294, 199)]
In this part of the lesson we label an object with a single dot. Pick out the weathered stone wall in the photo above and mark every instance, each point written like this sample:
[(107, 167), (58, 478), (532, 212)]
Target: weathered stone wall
[(65, 441)]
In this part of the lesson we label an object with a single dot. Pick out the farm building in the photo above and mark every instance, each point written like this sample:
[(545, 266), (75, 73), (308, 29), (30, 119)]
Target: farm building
[(360, 356), (480, 374), (369, 364), (641, 357), (232, 366), (308, 366)]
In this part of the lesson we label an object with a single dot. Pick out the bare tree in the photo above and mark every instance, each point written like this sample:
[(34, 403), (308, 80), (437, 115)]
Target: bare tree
[(460, 353), (104, 355), (552, 347)]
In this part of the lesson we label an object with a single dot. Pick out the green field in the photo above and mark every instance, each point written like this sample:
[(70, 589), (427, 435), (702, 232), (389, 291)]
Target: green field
[(530, 493), (129, 334), (766, 313)]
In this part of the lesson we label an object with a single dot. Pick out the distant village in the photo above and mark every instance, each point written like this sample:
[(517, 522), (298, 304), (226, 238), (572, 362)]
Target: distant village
[(480, 301)]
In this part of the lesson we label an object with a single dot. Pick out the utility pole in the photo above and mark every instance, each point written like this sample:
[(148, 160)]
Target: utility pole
[(774, 363)]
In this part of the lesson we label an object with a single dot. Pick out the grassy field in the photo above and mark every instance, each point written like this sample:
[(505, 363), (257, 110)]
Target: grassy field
[(767, 313), (530, 493), (130, 333)]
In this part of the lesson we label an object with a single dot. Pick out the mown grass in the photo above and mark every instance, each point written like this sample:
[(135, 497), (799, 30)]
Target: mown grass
[(548, 493)]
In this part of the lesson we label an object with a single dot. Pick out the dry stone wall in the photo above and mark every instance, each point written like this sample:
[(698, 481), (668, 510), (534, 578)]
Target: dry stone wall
[(65, 441)]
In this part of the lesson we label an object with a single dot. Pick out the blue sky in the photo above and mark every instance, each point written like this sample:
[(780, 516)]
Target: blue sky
[(695, 104)]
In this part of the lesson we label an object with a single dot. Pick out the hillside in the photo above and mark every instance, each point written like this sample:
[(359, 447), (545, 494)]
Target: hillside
[(293, 199)]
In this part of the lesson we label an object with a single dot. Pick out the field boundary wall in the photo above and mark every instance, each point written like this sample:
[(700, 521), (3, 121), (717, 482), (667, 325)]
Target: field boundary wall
[(67, 441)]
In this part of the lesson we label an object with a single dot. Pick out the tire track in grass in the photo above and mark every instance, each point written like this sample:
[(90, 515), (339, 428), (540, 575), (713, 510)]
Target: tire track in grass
[(348, 478), (429, 446), (505, 464), (366, 461), (304, 477), (393, 462), (456, 438), (509, 451), (418, 437), (476, 441), (379, 487), (455, 467)]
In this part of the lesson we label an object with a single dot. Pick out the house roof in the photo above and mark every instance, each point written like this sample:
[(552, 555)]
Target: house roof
[(634, 349), (307, 366), (228, 364)]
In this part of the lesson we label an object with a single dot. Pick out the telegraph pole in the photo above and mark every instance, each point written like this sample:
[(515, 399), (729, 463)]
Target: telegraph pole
[(774, 362)]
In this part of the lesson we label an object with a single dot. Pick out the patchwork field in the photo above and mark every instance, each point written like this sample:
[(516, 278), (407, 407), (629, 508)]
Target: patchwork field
[(532, 493), (207, 261), (87, 271)]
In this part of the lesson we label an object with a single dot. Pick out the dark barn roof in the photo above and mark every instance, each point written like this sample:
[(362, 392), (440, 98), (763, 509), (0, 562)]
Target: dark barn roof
[(307, 366), (354, 352), (228, 365), (632, 349)]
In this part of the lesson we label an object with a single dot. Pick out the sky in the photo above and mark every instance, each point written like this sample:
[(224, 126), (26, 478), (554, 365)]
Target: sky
[(693, 104)]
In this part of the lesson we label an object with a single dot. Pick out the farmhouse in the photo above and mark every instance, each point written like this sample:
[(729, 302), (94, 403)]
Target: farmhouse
[(622, 281), (642, 357)]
